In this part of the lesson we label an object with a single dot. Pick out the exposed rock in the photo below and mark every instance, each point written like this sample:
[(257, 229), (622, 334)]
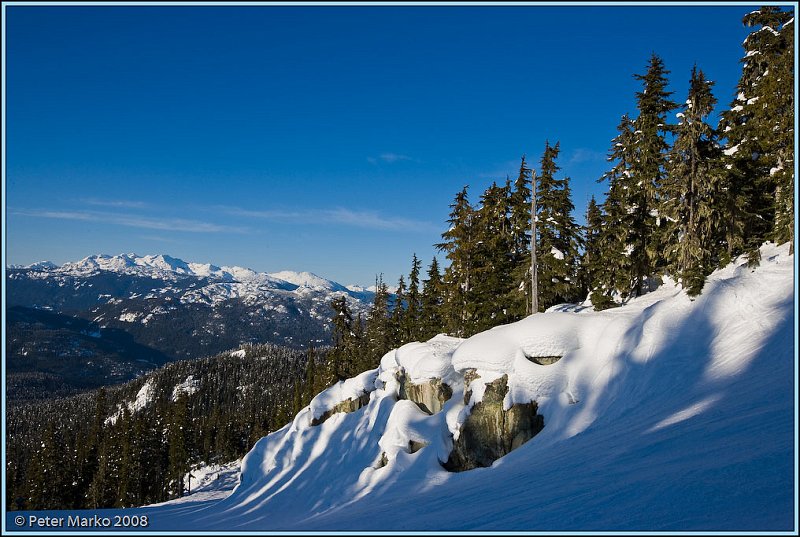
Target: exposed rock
[(383, 461), (490, 432), (469, 376), (430, 396), (347, 406), (544, 360), (413, 447)]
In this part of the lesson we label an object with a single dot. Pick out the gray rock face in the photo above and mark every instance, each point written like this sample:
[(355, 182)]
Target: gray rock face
[(350, 405), (490, 432), (429, 396)]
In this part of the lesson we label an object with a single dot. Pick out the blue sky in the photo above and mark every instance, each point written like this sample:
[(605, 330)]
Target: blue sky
[(330, 139)]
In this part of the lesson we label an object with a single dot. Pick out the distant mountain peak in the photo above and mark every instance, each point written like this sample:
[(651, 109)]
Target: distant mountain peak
[(39, 265), (308, 279)]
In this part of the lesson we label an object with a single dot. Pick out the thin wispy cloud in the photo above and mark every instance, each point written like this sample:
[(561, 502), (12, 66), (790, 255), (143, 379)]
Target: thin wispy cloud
[(339, 215), (389, 158), (370, 219), (135, 221), (122, 204), (266, 214)]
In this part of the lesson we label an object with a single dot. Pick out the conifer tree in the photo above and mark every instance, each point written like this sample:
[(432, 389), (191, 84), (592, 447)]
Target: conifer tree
[(125, 494), (492, 264), (592, 264), (379, 329), (398, 322), (519, 300), (103, 486), (432, 321), (311, 385), (412, 316), (459, 244), (690, 190), (615, 282), (45, 480), (759, 128), (647, 172), (179, 444), (340, 359), (558, 237)]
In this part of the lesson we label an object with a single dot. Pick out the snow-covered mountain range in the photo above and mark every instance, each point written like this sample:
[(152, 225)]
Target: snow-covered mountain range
[(666, 414), (159, 308), (169, 268)]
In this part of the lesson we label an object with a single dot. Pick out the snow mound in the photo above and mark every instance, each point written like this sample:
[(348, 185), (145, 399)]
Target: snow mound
[(553, 334), (429, 360), (352, 388)]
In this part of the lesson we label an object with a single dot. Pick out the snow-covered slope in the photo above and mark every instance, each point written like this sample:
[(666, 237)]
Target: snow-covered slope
[(665, 414)]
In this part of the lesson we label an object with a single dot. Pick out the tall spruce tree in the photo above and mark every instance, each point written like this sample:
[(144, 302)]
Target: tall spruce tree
[(492, 261), (398, 321), (759, 128), (412, 318), (558, 237), (690, 190), (519, 299), (432, 302), (340, 360), (614, 284), (648, 170), (179, 439), (591, 264), (459, 244), (378, 329)]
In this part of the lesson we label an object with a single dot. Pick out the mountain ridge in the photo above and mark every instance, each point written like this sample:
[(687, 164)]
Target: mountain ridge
[(162, 265)]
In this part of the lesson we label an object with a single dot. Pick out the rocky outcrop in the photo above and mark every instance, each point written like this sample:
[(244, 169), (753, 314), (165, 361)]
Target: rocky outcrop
[(347, 406), (490, 432), (429, 396), (413, 447), (544, 360)]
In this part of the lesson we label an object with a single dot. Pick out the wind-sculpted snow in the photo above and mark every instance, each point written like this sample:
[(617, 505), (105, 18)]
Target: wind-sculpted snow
[(665, 414)]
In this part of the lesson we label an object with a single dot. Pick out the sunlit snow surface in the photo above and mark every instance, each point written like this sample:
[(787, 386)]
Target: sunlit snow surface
[(665, 414)]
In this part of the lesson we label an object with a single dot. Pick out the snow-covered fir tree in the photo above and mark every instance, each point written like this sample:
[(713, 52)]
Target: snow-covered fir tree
[(616, 238), (759, 128), (648, 170), (519, 298), (558, 236), (689, 192)]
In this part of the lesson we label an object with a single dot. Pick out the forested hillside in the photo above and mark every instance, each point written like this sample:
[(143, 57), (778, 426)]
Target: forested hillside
[(132, 444)]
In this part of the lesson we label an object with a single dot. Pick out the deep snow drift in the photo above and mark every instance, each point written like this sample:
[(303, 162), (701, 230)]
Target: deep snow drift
[(665, 414)]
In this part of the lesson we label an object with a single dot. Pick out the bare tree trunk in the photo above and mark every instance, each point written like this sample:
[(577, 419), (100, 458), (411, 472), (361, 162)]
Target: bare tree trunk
[(534, 274)]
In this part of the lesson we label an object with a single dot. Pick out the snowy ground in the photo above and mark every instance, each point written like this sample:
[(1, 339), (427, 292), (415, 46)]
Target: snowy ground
[(208, 483), (667, 414)]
